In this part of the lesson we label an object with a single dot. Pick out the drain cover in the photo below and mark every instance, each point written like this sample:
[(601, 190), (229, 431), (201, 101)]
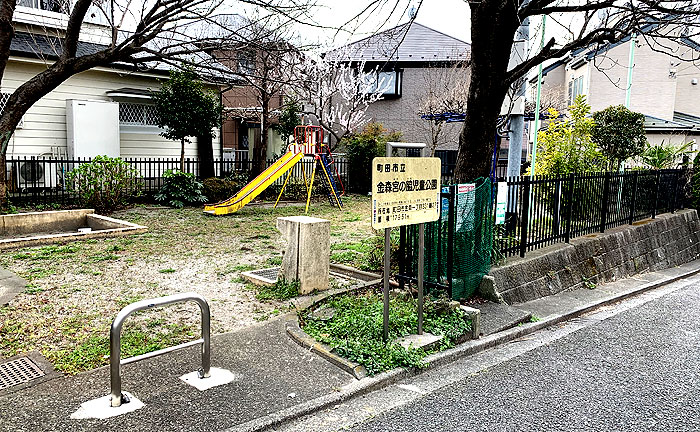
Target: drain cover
[(268, 275), (18, 371)]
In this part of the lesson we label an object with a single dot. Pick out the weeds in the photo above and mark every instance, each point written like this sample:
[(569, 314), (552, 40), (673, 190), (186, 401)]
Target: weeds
[(281, 290), (355, 330)]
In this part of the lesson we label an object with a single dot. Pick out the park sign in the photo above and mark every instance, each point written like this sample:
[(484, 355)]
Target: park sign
[(405, 191)]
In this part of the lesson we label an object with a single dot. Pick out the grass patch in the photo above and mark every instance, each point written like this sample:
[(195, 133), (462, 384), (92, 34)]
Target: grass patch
[(355, 330), (33, 289), (126, 301), (274, 261), (166, 270), (367, 254), (93, 351), (352, 218), (104, 257), (48, 253), (281, 290)]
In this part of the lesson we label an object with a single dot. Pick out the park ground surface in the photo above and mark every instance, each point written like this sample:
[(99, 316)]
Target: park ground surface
[(75, 290)]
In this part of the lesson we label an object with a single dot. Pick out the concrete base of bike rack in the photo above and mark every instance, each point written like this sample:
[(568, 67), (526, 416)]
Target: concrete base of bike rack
[(100, 408), (216, 377)]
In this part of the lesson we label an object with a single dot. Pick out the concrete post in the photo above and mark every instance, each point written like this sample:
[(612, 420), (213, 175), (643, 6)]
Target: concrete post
[(307, 255)]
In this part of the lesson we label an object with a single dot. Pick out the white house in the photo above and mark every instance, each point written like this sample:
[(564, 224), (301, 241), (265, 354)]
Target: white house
[(109, 106)]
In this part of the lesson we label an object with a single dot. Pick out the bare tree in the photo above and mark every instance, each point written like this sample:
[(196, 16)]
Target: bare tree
[(140, 33), (446, 91), (589, 24), (551, 97), (266, 63)]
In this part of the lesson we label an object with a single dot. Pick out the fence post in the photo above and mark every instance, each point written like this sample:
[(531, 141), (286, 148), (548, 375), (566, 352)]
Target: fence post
[(675, 190), (633, 205), (656, 194), (606, 201), (525, 217), (569, 208), (450, 239)]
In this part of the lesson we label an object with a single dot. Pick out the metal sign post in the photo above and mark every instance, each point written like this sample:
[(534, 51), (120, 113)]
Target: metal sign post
[(415, 205)]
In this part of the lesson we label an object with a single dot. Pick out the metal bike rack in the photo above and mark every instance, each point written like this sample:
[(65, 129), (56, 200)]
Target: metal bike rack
[(116, 396)]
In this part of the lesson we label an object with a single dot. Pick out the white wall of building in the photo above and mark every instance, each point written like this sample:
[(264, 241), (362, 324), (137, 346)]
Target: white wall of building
[(44, 127)]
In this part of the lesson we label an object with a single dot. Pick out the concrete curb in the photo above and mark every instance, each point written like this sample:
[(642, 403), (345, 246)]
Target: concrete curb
[(325, 351), (369, 384)]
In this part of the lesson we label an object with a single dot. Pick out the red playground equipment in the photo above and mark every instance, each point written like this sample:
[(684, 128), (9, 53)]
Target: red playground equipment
[(308, 141)]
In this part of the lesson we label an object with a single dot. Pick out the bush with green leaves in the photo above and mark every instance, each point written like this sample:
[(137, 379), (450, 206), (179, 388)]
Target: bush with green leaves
[(180, 188), (619, 134), (218, 189), (289, 119), (104, 183), (361, 148), (665, 156), (566, 145), (185, 108), (695, 183)]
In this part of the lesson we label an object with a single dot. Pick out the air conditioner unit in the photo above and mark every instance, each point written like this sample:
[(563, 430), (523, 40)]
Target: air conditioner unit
[(35, 173)]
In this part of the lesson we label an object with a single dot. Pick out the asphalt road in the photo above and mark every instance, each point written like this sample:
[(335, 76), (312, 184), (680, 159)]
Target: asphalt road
[(633, 369)]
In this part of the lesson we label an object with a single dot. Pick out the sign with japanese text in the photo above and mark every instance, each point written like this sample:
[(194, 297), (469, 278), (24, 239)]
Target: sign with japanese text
[(465, 207), (501, 200), (405, 191)]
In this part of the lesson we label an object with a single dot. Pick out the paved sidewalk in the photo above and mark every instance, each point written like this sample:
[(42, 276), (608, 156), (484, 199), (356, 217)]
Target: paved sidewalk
[(277, 379), (270, 367)]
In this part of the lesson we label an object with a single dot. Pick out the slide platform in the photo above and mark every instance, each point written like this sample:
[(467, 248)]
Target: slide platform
[(255, 187)]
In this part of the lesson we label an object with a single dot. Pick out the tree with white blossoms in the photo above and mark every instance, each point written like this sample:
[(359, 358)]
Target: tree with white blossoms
[(337, 94)]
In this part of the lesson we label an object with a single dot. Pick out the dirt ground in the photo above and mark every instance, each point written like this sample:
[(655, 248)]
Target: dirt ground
[(76, 289)]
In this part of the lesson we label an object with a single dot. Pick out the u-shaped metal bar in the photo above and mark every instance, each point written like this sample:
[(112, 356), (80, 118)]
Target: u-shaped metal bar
[(115, 360)]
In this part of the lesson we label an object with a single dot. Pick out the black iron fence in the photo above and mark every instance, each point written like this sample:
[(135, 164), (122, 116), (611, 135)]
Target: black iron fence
[(540, 211), (45, 181), (546, 209)]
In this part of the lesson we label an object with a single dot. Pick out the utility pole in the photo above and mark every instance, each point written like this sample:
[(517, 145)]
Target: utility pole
[(517, 121)]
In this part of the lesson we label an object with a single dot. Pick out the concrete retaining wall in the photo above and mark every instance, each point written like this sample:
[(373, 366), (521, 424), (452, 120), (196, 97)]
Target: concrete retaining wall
[(12, 225), (649, 245)]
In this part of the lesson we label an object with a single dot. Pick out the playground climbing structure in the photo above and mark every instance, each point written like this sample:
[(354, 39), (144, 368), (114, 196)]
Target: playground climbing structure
[(308, 141)]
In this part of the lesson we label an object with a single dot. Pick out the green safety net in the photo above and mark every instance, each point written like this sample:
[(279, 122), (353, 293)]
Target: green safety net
[(458, 245)]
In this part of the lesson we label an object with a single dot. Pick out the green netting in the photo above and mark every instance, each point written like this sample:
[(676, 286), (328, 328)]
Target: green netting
[(458, 245)]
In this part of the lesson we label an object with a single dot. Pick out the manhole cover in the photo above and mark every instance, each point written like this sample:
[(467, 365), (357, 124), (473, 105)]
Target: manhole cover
[(268, 275), (18, 371)]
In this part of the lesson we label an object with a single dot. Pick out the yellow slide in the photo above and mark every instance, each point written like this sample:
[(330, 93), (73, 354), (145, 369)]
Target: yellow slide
[(255, 187)]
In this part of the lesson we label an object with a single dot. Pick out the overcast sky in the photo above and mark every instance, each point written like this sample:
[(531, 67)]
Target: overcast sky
[(447, 16)]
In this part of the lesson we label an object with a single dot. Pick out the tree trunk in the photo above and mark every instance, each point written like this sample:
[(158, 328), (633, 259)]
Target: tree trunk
[(493, 27), (7, 9), (182, 155), (4, 201), (260, 147), (205, 152)]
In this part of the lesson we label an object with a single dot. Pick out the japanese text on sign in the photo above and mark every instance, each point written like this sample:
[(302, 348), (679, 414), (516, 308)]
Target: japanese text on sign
[(405, 191)]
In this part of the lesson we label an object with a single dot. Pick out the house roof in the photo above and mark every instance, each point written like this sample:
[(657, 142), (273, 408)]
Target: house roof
[(548, 69), (44, 46), (408, 42), (37, 45), (681, 123)]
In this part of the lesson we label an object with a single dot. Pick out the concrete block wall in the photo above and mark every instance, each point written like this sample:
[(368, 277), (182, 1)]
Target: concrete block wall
[(649, 245)]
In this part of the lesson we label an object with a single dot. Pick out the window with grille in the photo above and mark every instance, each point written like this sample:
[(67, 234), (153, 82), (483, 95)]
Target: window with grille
[(3, 101), (136, 114), (59, 6)]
